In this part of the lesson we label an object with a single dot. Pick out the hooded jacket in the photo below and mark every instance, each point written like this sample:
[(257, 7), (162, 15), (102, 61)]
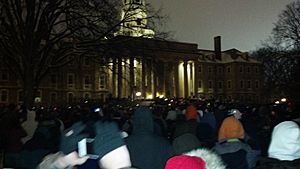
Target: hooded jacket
[(284, 149), (147, 150), (231, 146), (212, 160)]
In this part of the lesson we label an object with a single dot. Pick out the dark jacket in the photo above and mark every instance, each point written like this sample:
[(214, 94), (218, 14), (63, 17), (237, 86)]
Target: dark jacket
[(272, 163), (147, 150)]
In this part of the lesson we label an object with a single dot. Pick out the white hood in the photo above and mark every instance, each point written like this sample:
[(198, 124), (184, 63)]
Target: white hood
[(212, 160), (285, 141)]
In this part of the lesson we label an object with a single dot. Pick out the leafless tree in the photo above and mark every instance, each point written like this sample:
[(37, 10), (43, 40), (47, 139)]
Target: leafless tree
[(37, 36)]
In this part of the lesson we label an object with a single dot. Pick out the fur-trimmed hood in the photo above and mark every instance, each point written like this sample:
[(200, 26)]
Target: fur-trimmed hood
[(212, 160)]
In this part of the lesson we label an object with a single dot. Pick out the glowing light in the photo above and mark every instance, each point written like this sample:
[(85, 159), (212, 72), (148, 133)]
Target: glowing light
[(150, 96), (161, 96), (277, 102), (138, 94), (283, 100)]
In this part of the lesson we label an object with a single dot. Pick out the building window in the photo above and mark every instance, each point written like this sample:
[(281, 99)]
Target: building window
[(228, 69), (220, 84), (220, 70), (53, 81), (70, 97), (199, 69), (242, 84), (86, 61), (53, 97), (241, 69), (102, 82), (229, 84), (209, 69), (87, 81), (256, 84), (256, 69), (71, 80), (20, 96), (87, 96), (4, 96), (4, 76), (248, 84), (248, 69), (210, 84), (200, 84)]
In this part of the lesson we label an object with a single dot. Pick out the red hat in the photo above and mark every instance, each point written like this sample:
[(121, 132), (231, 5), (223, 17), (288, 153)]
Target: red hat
[(185, 162), (191, 113)]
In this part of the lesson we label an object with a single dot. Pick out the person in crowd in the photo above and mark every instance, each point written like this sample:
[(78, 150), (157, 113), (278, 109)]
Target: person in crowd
[(190, 124), (12, 134), (196, 159), (147, 149), (206, 135), (185, 143), (231, 145), (209, 118), (284, 149), (29, 125), (107, 145)]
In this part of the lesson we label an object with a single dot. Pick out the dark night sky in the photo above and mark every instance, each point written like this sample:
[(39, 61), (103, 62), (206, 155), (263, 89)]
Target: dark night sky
[(243, 24)]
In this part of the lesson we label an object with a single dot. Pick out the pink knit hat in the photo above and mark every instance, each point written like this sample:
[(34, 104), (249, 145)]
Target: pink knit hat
[(185, 162)]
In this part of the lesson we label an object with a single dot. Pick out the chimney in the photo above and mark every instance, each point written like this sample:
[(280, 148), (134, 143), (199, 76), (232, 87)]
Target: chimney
[(218, 53)]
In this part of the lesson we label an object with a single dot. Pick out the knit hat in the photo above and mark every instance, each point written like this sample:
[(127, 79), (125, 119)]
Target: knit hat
[(185, 143), (231, 128), (185, 162), (191, 113)]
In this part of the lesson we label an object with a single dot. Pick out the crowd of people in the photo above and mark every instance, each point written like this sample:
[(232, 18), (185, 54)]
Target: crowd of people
[(178, 135)]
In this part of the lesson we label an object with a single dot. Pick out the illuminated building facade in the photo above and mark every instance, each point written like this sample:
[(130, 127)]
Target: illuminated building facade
[(141, 66)]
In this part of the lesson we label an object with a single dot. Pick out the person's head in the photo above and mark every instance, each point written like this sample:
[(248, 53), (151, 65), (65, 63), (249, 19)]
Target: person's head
[(235, 113), (185, 162), (285, 141), (231, 128), (191, 113)]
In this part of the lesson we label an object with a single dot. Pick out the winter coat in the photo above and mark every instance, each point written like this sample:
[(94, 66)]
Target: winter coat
[(147, 150)]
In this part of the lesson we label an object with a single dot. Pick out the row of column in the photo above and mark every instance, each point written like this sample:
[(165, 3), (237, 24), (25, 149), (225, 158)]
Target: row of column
[(156, 77)]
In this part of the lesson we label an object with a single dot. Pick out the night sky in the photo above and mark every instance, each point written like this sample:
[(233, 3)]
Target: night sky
[(243, 24)]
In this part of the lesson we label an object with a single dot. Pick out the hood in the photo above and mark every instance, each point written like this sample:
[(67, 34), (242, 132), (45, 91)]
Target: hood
[(212, 160), (142, 121), (285, 141), (185, 143), (191, 113), (231, 128)]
